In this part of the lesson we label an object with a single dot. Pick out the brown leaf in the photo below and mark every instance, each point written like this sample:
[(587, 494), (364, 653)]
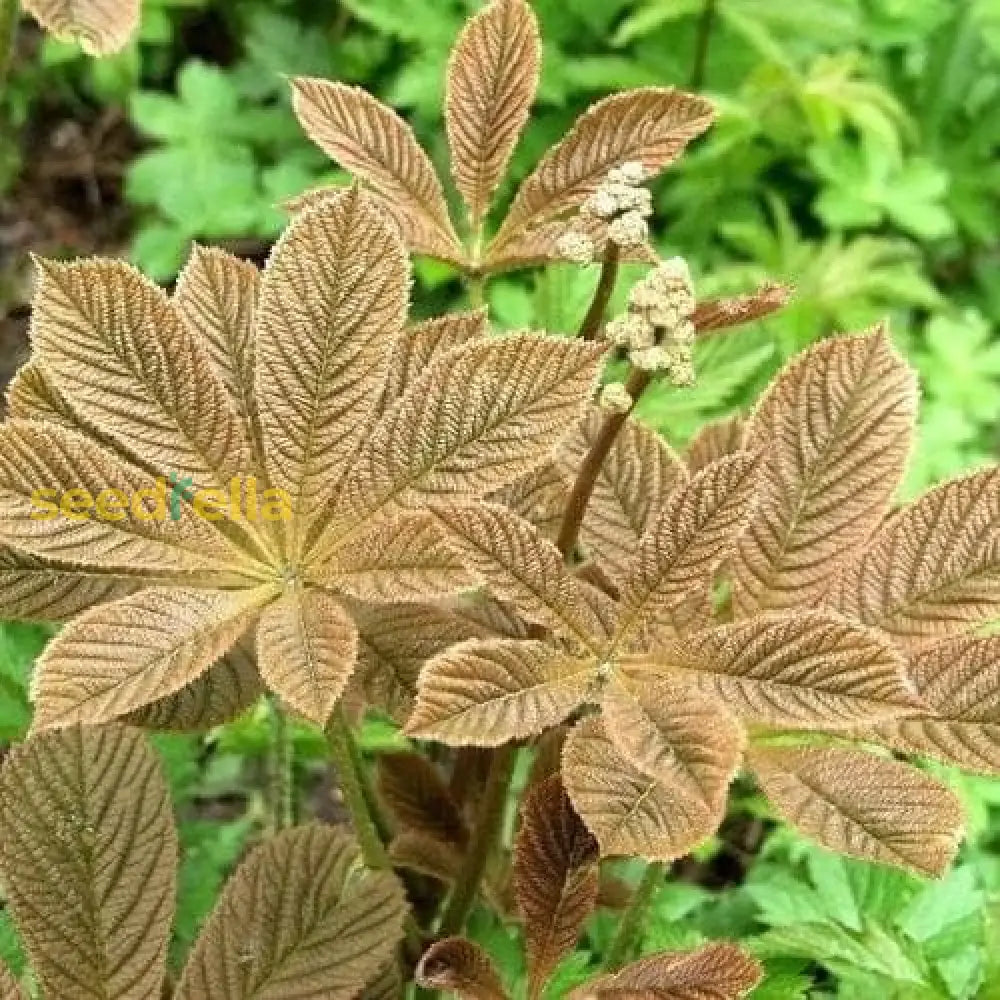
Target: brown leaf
[(555, 878), (218, 696), (675, 734), (630, 813), (10, 989), (713, 315), (88, 855), (717, 971), (715, 441), (41, 463), (420, 852), (407, 558), (487, 692), (301, 918), (121, 353), (45, 590), (863, 805), (695, 530), (333, 300), (958, 679), (419, 799), (460, 967), (650, 125), (217, 296), (394, 642), (119, 657), (807, 669), (492, 78), (834, 432), (99, 27), (307, 646), (539, 497), (520, 566), (424, 343), (638, 475), (477, 418), (374, 143), (33, 395), (933, 568)]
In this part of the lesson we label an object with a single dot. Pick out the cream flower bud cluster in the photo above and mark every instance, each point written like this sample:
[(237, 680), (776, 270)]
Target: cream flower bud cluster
[(615, 398), (657, 330), (622, 204)]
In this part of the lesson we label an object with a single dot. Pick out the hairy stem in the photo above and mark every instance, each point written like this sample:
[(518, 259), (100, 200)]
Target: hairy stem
[(281, 801), (591, 326), (590, 468), (476, 287), (623, 946), (705, 24), (346, 759), (484, 839)]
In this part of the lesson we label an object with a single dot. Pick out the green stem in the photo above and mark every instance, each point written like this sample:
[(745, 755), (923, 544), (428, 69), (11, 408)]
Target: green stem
[(705, 24), (623, 946), (476, 286), (9, 13), (346, 758), (484, 840), (281, 776), (591, 326)]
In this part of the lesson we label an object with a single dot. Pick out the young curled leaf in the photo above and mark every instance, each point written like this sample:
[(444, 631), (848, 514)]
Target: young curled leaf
[(555, 878), (718, 971), (722, 314), (88, 855), (834, 432), (461, 967), (629, 812), (485, 693), (492, 78), (301, 918), (862, 805)]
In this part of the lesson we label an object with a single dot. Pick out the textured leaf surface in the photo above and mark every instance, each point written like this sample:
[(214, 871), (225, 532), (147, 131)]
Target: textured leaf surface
[(555, 878), (394, 642), (718, 971), (89, 857), (721, 314), (217, 296), (639, 473), (100, 26), (301, 918), (492, 78), (307, 646), (33, 589), (419, 798), (420, 852), (119, 657), (404, 559), (32, 395), (651, 126), (461, 967), (423, 343), (374, 143), (121, 352), (539, 497), (37, 457), (933, 569), (218, 696), (9, 988), (520, 566), (475, 420), (862, 805), (630, 813), (834, 432), (715, 441), (694, 531), (809, 670), (333, 301), (958, 679), (484, 693), (675, 734)]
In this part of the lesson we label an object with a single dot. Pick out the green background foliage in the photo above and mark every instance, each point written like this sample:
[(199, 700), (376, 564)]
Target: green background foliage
[(855, 157)]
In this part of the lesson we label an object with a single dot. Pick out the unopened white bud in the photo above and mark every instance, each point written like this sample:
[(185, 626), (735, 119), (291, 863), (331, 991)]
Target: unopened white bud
[(682, 373), (576, 246), (630, 330), (602, 203), (628, 230), (650, 359), (632, 173), (615, 398)]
